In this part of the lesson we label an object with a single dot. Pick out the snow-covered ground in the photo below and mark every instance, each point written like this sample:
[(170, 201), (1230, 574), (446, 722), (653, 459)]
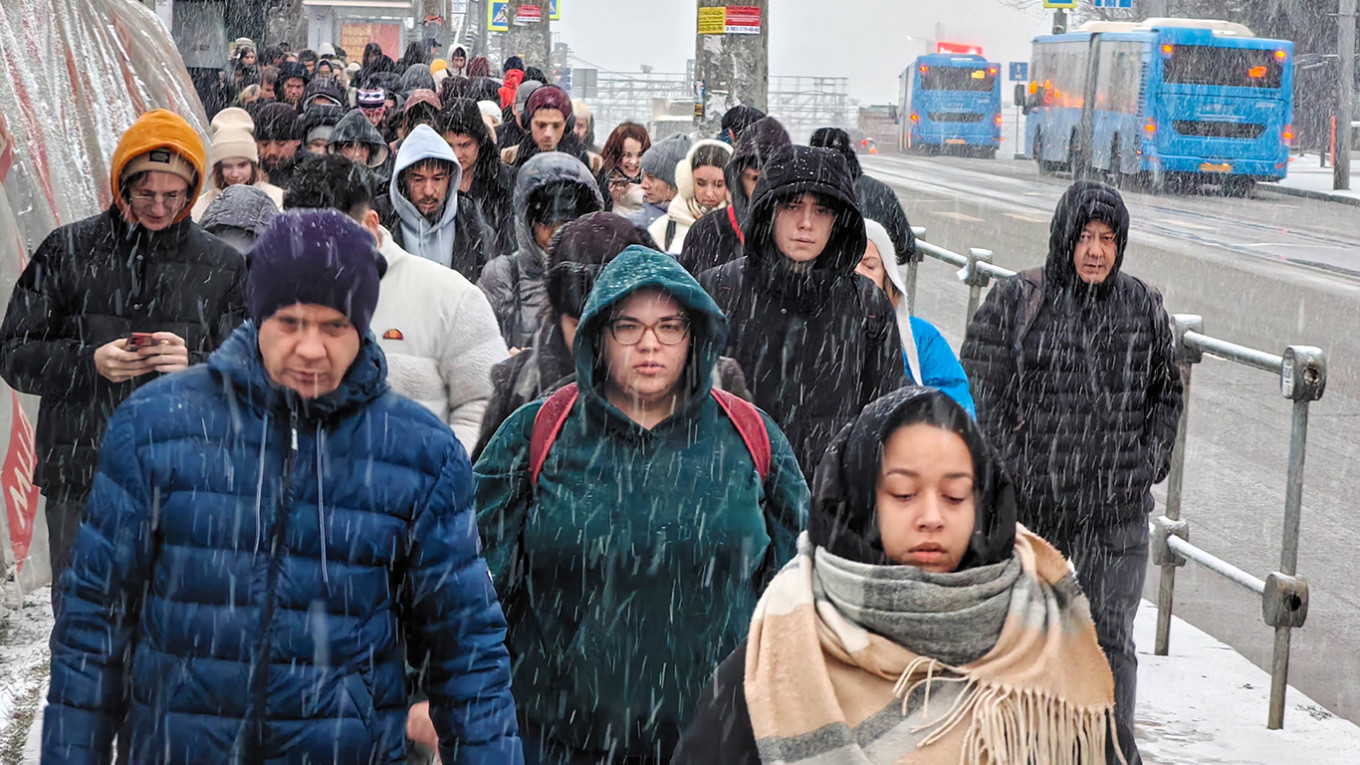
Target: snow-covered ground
[(1204, 704), (1306, 174), (24, 660)]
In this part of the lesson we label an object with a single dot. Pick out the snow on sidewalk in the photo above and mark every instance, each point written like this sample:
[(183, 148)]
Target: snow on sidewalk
[(1307, 177), (1205, 703), (1202, 705)]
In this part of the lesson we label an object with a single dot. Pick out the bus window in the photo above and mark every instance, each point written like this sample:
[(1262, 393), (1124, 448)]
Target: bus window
[(1231, 67), (956, 78)]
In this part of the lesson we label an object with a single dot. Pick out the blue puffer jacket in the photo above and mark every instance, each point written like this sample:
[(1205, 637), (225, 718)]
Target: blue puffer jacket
[(253, 572)]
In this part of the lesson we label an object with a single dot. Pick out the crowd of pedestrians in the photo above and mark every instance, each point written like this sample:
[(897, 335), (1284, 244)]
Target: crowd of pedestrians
[(398, 422)]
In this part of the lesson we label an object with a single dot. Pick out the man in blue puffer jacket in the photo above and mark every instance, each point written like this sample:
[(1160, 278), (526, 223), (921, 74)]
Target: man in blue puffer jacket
[(271, 537)]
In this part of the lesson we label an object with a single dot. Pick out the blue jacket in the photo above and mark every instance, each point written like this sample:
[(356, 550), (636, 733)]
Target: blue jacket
[(253, 573), (940, 368)]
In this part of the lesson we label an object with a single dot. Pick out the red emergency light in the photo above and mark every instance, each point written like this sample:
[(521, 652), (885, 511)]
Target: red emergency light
[(961, 48)]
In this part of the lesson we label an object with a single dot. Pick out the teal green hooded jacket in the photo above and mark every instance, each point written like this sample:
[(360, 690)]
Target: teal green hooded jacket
[(634, 565)]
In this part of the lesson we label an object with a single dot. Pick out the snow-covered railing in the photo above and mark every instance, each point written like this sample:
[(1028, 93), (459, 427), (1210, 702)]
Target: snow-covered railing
[(1302, 372)]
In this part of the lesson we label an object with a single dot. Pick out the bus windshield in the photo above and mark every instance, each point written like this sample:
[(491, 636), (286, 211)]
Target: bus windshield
[(1231, 67), (956, 78)]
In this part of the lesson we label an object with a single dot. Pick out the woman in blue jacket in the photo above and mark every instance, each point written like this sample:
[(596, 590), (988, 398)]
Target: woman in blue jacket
[(929, 359), (630, 549)]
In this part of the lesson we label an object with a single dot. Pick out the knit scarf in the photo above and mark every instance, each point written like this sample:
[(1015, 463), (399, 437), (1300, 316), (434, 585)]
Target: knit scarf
[(845, 659)]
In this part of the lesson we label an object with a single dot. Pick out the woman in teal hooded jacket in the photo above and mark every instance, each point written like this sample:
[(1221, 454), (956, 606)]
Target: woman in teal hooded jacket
[(631, 565)]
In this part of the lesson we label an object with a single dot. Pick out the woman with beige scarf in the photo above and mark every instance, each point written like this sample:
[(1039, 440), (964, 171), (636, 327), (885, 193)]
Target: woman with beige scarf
[(918, 622)]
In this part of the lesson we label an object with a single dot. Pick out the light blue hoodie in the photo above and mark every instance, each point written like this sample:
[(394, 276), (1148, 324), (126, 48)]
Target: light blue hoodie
[(419, 236)]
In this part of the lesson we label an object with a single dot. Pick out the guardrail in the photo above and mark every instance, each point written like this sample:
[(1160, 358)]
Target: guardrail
[(1302, 374)]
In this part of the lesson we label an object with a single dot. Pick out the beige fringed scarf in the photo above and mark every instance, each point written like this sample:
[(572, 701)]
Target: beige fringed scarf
[(823, 689)]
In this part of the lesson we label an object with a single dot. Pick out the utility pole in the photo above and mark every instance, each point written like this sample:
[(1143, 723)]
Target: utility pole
[(1059, 22), (1345, 111), (531, 40), (731, 60)]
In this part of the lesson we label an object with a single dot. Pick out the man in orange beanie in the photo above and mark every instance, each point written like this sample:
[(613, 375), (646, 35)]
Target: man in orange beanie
[(112, 302)]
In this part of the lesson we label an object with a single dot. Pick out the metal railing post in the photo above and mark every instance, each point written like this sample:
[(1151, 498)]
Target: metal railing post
[(1303, 378), (913, 269), (1186, 358), (976, 279)]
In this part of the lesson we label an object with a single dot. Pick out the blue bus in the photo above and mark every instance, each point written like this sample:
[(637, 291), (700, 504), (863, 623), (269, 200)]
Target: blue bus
[(1169, 101), (951, 102)]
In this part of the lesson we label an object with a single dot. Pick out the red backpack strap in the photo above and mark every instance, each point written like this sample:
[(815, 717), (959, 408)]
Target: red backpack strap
[(751, 426), (552, 415), (732, 218)]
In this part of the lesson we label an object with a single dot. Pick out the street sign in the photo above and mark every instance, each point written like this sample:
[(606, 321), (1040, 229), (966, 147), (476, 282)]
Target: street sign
[(742, 20), (1061, 4), (1019, 71), (1114, 3), (529, 14), (498, 16), (555, 10)]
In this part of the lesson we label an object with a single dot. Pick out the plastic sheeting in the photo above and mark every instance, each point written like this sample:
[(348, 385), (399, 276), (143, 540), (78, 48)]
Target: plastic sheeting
[(75, 75)]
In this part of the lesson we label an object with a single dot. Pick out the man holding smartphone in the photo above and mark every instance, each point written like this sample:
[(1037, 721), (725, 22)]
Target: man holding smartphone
[(111, 302)]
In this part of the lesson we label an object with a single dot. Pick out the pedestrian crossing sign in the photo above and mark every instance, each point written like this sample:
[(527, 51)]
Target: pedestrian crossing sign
[(498, 16)]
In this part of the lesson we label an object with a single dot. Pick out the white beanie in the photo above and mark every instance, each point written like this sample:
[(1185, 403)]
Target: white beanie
[(233, 118), (233, 143), (325, 49), (491, 114)]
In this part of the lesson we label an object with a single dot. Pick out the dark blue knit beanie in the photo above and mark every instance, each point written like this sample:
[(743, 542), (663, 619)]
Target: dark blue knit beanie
[(317, 257)]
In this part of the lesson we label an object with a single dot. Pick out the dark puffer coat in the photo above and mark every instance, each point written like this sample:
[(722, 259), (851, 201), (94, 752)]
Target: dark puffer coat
[(1082, 396), (877, 200), (714, 240), (93, 282), (254, 574), (515, 284), (818, 345)]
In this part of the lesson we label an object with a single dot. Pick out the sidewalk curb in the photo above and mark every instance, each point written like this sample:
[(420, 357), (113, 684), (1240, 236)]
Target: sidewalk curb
[(1310, 194)]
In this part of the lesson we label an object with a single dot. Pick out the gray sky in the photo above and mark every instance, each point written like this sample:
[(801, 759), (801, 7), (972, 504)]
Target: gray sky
[(869, 41)]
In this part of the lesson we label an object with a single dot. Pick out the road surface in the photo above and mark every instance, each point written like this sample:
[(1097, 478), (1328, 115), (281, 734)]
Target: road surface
[(1266, 272)]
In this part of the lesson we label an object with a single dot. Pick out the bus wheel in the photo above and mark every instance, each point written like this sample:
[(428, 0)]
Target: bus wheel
[(1238, 186), (989, 152), (1116, 171), (1044, 167)]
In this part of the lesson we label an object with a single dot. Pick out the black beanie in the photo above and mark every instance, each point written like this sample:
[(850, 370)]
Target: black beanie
[(316, 257)]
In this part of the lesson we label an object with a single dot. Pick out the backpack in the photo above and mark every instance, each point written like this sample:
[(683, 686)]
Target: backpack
[(552, 415)]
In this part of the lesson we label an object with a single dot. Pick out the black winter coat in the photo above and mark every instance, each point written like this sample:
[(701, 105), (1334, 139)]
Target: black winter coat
[(93, 282), (818, 345), (711, 242), (720, 732), (879, 203), (1076, 384), (493, 196)]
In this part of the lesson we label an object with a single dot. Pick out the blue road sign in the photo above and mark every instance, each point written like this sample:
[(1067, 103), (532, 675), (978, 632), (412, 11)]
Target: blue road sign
[(1019, 71), (1114, 3)]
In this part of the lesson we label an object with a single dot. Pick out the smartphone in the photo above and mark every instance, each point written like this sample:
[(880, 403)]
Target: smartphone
[(140, 340)]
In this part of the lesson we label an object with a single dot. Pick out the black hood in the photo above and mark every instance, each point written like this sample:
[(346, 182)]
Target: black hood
[(756, 145), (839, 140), (463, 116), (844, 517), (794, 170), (1083, 202)]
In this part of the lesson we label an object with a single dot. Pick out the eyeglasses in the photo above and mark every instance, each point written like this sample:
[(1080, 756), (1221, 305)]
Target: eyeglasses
[(147, 199), (667, 331)]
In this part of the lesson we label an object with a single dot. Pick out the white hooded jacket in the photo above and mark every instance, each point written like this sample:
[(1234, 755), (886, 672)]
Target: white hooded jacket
[(440, 337), (683, 210)]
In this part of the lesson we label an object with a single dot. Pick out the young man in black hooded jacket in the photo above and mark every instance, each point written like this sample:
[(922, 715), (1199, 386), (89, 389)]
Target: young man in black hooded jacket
[(1076, 386), (486, 180), (817, 341)]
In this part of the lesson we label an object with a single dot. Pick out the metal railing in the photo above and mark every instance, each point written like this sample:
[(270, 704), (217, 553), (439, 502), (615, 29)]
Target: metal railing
[(1302, 374)]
